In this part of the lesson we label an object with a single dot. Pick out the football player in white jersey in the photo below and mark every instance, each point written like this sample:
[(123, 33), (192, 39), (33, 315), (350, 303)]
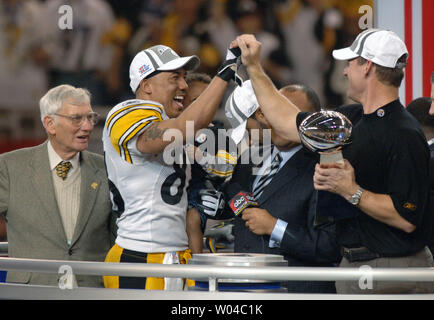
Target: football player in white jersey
[(149, 194)]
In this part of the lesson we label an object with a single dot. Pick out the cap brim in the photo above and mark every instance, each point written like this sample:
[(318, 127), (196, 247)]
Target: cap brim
[(344, 54), (238, 132), (188, 63)]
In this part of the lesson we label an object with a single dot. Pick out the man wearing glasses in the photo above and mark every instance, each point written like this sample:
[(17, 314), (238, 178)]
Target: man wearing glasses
[(55, 196)]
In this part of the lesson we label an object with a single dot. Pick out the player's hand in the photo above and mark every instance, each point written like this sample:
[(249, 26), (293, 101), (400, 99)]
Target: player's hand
[(228, 68), (221, 231), (210, 203), (250, 49)]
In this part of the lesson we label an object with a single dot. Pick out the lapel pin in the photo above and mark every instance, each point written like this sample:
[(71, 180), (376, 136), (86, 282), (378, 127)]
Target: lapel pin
[(381, 113), (94, 185)]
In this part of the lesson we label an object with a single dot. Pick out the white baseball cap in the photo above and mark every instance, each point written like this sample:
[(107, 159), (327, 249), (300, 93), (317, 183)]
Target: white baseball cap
[(382, 47), (158, 58), (240, 105)]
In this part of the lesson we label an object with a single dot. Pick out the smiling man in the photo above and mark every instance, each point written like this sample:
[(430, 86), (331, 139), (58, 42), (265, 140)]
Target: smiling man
[(384, 181), (148, 194), (55, 196)]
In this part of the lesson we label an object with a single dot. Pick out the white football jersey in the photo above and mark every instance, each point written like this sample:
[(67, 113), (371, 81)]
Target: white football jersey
[(148, 194)]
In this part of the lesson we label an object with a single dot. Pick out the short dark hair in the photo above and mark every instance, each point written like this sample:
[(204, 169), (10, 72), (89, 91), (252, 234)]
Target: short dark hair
[(197, 76), (419, 109), (312, 97), (388, 76)]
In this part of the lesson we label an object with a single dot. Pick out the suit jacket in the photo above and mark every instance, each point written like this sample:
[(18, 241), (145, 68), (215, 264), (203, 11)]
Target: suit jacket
[(291, 197), (34, 224)]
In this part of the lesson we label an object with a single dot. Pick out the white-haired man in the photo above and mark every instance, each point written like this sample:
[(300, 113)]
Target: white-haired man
[(55, 196)]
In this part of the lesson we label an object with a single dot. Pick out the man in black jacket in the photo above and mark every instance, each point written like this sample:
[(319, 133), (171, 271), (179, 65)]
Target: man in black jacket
[(385, 175)]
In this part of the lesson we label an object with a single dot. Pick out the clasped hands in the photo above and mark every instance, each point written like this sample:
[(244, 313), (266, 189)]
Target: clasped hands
[(250, 49), (335, 177)]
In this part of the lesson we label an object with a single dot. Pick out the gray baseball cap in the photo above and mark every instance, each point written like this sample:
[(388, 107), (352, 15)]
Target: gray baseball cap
[(382, 47), (158, 58)]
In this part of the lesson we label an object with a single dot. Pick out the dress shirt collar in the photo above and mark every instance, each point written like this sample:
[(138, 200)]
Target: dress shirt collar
[(54, 158), (286, 155)]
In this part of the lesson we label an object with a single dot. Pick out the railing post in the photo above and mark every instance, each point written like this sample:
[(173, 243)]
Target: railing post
[(212, 284)]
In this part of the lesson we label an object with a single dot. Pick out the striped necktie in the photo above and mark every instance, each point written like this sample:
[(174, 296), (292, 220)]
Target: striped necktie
[(62, 169), (268, 175)]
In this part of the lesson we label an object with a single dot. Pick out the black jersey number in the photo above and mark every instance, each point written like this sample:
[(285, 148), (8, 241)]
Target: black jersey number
[(116, 199), (168, 184)]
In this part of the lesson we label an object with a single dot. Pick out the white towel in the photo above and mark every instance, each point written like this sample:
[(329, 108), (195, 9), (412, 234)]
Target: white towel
[(172, 284)]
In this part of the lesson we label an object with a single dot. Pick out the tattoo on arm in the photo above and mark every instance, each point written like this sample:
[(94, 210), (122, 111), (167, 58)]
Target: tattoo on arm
[(153, 132)]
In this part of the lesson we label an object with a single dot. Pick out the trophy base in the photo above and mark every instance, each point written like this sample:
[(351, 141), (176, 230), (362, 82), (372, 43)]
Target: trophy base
[(332, 157)]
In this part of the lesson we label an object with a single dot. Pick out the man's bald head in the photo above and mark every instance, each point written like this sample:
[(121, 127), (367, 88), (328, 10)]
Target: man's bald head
[(302, 96)]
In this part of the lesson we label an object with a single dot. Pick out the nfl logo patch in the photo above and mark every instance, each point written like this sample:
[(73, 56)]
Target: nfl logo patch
[(143, 69)]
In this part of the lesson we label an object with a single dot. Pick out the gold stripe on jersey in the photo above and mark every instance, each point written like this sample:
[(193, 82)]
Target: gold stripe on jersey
[(148, 106), (226, 156), (124, 143), (222, 173), (124, 128)]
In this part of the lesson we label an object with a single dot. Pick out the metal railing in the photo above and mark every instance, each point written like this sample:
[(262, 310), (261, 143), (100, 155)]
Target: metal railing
[(212, 274), (3, 248), (218, 272)]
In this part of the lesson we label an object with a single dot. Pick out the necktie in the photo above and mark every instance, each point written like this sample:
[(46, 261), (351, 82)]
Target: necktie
[(62, 169), (267, 176)]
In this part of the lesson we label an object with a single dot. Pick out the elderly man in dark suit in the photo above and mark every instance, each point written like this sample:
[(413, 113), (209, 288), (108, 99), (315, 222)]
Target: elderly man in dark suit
[(55, 196)]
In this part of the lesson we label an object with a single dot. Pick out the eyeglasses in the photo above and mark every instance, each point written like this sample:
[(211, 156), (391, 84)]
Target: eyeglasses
[(77, 120)]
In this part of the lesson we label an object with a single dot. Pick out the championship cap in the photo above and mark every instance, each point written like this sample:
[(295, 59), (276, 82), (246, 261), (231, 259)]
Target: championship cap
[(240, 105), (382, 47), (158, 58)]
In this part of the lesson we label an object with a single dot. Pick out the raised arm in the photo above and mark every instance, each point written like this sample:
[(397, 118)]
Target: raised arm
[(200, 112), (279, 111)]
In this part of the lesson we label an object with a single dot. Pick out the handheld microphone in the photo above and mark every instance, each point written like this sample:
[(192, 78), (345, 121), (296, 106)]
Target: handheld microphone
[(240, 200)]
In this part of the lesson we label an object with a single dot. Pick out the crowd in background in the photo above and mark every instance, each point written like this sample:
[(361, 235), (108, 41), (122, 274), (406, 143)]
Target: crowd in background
[(390, 224), (297, 36)]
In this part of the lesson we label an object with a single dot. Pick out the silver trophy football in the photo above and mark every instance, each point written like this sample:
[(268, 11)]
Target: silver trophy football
[(326, 132)]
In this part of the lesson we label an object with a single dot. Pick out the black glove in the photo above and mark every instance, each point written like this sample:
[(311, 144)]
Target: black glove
[(220, 236), (228, 68), (210, 203), (222, 231)]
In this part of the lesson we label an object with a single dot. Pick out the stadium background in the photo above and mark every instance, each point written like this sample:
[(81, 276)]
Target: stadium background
[(297, 35)]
